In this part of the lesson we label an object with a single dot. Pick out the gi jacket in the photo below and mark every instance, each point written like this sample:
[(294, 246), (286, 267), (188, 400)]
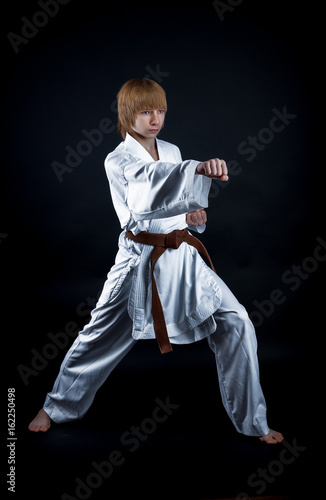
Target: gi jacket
[(155, 196)]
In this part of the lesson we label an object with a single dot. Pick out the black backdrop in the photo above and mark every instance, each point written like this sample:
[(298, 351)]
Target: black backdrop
[(242, 82)]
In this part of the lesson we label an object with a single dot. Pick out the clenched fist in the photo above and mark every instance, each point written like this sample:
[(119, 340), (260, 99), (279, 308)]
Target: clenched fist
[(215, 168), (196, 218)]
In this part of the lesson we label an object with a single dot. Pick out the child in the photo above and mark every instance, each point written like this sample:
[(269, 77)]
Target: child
[(160, 267)]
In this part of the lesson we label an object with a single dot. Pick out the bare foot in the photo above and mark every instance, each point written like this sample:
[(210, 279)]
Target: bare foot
[(272, 437), (41, 422)]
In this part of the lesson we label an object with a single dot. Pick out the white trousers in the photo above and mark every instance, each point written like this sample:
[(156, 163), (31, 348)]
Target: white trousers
[(107, 338)]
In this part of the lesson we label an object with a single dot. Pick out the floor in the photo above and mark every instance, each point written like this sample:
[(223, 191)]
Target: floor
[(163, 433)]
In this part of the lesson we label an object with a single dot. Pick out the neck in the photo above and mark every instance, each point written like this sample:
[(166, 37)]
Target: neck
[(148, 143)]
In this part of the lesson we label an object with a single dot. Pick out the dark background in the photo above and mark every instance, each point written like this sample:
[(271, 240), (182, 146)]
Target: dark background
[(223, 78)]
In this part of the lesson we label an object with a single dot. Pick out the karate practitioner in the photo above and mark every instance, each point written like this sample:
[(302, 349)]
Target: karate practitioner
[(163, 283)]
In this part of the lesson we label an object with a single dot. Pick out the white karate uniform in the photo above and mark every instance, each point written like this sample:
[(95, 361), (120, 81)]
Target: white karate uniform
[(155, 196)]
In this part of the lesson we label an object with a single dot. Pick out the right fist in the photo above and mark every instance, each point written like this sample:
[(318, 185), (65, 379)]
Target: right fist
[(215, 169)]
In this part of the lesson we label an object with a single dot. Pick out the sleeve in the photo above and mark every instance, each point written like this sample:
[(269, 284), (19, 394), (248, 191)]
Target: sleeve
[(197, 229), (160, 189)]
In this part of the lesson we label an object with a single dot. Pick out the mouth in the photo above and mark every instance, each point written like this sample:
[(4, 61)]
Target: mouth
[(154, 130)]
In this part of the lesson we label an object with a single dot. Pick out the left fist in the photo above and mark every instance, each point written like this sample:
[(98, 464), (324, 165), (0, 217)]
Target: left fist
[(196, 218)]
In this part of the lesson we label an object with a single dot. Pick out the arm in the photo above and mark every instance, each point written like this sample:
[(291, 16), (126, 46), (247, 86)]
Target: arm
[(161, 189), (212, 168)]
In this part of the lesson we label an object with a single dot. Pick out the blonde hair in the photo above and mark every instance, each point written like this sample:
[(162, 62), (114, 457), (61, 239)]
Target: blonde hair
[(136, 95)]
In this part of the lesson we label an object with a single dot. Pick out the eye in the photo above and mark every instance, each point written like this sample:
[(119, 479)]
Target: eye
[(161, 111), (145, 112)]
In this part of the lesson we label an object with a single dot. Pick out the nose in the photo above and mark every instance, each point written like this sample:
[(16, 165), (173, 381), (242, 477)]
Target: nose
[(155, 118)]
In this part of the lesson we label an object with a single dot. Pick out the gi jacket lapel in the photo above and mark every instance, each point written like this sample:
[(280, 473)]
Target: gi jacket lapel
[(136, 149)]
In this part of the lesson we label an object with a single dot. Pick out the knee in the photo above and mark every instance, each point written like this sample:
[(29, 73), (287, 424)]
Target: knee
[(241, 315), (234, 328), (240, 319)]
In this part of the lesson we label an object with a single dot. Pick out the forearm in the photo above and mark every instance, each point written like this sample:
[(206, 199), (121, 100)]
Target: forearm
[(169, 193)]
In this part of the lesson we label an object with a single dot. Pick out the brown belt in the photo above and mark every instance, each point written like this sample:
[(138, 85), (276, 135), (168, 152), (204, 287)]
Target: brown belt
[(161, 242)]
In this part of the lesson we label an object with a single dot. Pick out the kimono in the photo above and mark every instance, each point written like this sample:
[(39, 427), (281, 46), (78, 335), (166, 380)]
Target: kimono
[(155, 196)]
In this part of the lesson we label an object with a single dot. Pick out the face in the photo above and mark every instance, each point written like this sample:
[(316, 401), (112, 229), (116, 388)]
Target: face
[(148, 122)]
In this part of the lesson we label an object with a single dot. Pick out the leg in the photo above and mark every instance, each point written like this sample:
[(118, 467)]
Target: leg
[(99, 347), (235, 347)]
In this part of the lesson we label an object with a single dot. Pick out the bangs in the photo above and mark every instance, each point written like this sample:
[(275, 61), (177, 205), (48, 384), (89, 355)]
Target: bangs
[(148, 98), (137, 95)]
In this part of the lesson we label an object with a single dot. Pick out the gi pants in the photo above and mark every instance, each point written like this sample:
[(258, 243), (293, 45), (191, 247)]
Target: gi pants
[(102, 344)]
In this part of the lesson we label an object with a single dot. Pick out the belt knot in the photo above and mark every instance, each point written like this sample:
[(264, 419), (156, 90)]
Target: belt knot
[(174, 239)]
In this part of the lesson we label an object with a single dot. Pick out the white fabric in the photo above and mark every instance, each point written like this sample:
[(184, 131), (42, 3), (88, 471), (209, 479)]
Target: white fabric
[(103, 343), (196, 302), (155, 196)]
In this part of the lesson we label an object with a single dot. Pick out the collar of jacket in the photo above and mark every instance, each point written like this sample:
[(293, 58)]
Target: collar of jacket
[(134, 147)]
